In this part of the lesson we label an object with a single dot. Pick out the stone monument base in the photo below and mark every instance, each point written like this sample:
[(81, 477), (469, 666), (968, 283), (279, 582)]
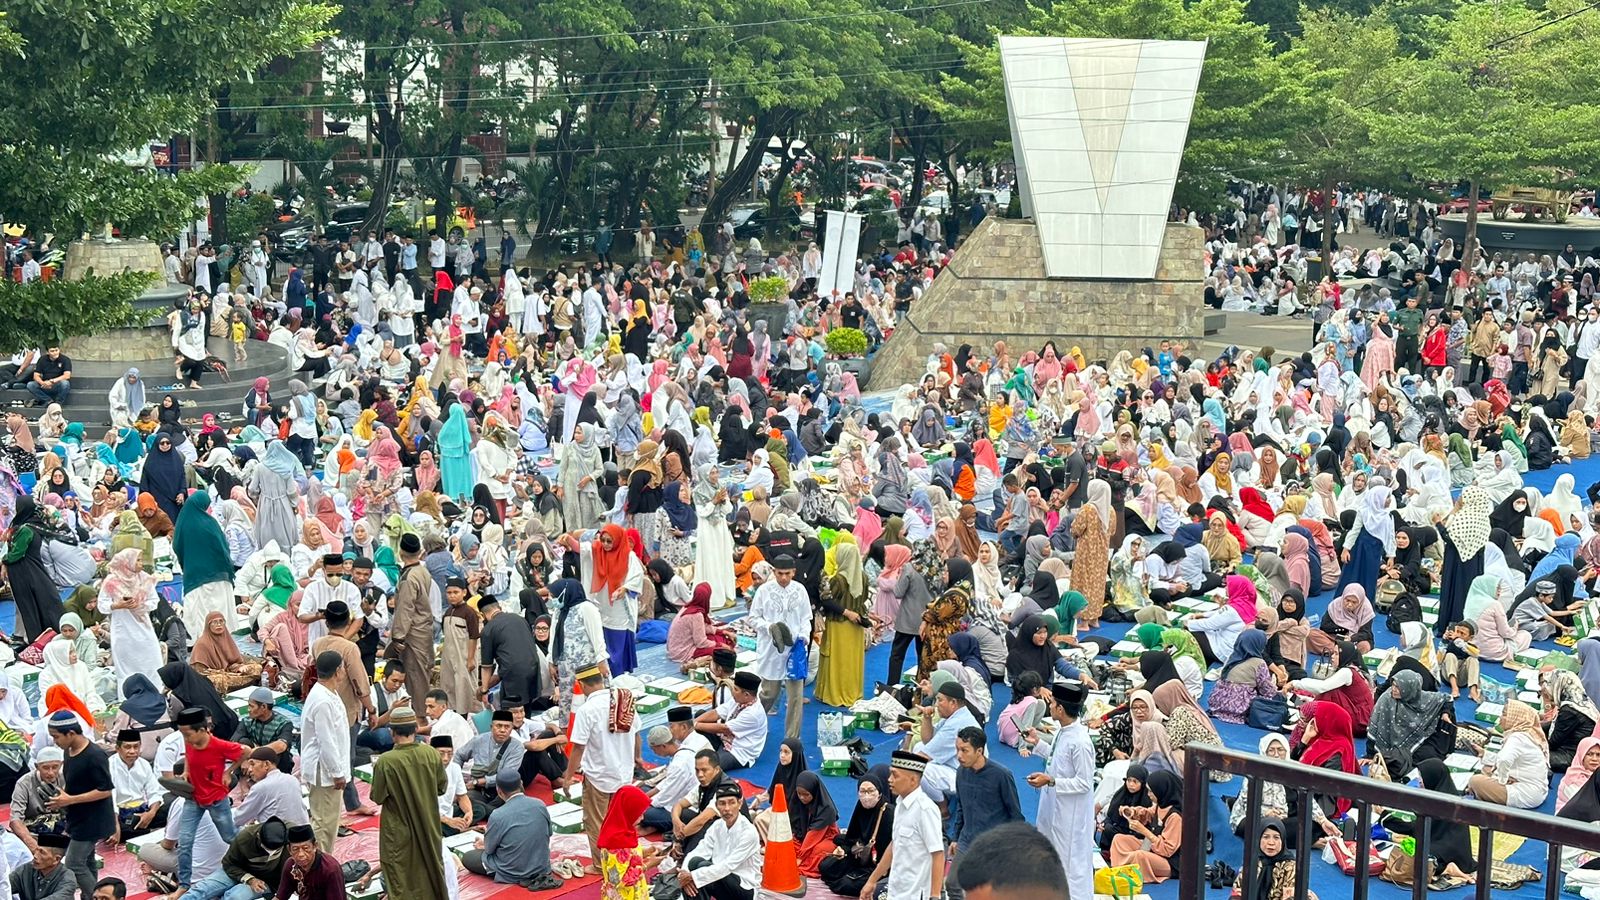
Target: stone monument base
[(995, 289), (104, 258)]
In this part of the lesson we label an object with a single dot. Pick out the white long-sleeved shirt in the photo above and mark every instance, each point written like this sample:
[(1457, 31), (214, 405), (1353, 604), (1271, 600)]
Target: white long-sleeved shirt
[(324, 738), (776, 603), (134, 784), (728, 849), (678, 782)]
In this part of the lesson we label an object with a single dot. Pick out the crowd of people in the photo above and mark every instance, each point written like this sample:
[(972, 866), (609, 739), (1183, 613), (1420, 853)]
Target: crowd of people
[(450, 546)]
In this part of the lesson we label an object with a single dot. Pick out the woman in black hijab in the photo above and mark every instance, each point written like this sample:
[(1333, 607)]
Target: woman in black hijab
[(866, 838), (808, 566), (193, 689), (733, 437), (1275, 877), (163, 474), (1157, 668), (1449, 842), (1134, 792), (1407, 562), (1030, 649), (1509, 514)]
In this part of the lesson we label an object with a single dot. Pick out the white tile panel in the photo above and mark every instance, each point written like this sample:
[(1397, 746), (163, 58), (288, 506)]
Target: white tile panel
[(1098, 127)]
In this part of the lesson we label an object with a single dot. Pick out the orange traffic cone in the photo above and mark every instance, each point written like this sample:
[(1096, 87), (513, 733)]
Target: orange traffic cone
[(780, 870)]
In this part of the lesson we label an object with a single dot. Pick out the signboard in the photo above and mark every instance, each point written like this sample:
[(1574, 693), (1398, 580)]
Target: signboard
[(842, 239)]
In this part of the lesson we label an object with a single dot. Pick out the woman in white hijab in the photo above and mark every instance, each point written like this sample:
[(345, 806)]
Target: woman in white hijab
[(1565, 502), (62, 666), (14, 711), (1497, 474)]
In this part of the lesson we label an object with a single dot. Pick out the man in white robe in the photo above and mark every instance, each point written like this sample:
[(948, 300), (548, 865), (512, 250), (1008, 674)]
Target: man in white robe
[(1066, 808)]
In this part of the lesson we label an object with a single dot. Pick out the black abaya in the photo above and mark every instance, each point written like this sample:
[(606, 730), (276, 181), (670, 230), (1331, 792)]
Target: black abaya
[(1456, 579)]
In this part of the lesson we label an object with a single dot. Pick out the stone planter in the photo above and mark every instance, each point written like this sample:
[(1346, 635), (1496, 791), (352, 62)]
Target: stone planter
[(773, 313)]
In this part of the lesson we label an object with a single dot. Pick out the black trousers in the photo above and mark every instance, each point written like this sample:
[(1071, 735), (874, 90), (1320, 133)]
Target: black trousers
[(727, 888), (897, 655), (549, 762)]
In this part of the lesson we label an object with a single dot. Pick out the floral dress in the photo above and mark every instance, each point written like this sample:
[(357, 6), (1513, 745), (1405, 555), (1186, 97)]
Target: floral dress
[(1115, 734), (622, 876), (1090, 562), (941, 619), (1230, 701), (677, 551)]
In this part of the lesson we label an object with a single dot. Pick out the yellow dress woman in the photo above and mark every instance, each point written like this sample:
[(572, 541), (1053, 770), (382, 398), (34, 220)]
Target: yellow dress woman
[(844, 634)]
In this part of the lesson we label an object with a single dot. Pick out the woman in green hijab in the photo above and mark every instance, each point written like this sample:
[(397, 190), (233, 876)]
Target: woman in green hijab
[(1177, 641), (202, 551)]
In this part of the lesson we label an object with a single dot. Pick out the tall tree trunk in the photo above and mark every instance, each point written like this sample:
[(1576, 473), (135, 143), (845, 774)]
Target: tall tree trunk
[(1469, 249), (919, 149), (775, 204), (387, 118), (1330, 220), (739, 177)]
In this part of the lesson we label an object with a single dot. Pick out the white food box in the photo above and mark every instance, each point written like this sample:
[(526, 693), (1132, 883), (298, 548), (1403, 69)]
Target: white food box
[(1462, 762)]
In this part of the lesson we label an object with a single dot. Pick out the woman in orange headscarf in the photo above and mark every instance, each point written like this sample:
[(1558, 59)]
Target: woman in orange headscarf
[(152, 517), (613, 577)]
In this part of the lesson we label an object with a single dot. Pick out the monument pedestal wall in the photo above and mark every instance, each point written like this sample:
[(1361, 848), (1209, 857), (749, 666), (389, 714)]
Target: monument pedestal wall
[(995, 289)]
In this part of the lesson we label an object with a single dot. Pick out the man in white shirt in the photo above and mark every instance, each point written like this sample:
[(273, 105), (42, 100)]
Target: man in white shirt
[(1588, 340), (321, 591), (169, 752), (442, 720), (726, 865), (737, 729), (680, 721), (31, 270), (605, 747), (457, 810), (781, 614), (273, 793), (171, 265), (372, 250), (914, 862), (325, 748), (134, 790), (670, 783)]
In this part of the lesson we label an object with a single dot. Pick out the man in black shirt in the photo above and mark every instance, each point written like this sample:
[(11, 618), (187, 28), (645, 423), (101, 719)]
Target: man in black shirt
[(321, 262), (391, 255), (851, 314), (987, 795), (689, 819), (1074, 474), (52, 378), (509, 656), (90, 815)]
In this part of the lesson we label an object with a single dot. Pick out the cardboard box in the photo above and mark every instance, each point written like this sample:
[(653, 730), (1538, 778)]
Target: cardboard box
[(137, 845), (865, 721), (835, 761), (746, 658), (572, 793), (461, 843), (1532, 656), (1462, 762), (1125, 649), (364, 773), (1532, 698), (243, 695), (566, 818), (1461, 779), (1489, 712), (373, 891), (650, 704), (668, 687), (23, 674), (909, 676)]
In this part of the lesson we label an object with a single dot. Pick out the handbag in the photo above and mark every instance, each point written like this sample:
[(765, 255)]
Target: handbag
[(33, 654), (1119, 881), (1267, 713), (1344, 854)]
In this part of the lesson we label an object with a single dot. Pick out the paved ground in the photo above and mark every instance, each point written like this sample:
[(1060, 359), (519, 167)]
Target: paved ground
[(1252, 332)]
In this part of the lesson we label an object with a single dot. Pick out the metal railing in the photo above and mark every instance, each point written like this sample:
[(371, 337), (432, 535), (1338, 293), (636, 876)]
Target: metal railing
[(1306, 781)]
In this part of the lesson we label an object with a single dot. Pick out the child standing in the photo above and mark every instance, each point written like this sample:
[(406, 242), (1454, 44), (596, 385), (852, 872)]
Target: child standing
[(237, 331)]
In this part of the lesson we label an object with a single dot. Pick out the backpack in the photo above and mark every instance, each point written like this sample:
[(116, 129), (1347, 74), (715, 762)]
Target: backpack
[(1404, 609)]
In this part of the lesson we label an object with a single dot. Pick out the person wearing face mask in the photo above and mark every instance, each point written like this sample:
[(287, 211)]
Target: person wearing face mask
[(1587, 340), (859, 849), (319, 592)]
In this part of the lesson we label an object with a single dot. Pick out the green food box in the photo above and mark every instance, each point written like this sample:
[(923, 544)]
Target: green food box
[(835, 761), (1126, 649), (866, 721), (1532, 656), (1489, 712), (364, 773), (566, 818), (668, 687), (650, 704)]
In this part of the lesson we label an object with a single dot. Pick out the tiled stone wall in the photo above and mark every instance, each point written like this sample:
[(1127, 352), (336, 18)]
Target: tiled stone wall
[(995, 289)]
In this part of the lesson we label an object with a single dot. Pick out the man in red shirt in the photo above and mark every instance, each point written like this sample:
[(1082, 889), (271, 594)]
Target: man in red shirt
[(206, 760)]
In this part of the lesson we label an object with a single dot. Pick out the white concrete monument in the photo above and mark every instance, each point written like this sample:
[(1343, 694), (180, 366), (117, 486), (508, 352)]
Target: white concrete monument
[(1098, 128)]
